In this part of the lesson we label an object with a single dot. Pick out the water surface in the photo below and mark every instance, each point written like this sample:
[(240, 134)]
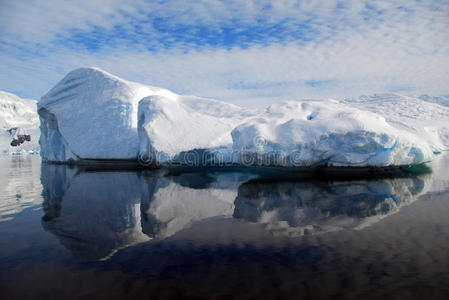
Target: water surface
[(67, 233)]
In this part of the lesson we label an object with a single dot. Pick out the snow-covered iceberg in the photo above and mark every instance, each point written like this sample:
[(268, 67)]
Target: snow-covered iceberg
[(91, 114), (19, 124)]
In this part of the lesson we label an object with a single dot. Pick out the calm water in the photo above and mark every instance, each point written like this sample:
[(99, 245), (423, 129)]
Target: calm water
[(69, 234)]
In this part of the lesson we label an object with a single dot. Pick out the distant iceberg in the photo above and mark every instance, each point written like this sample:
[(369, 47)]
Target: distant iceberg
[(93, 115), (19, 125)]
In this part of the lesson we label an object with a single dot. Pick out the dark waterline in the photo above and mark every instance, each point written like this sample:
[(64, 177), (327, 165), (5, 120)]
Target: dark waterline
[(70, 234)]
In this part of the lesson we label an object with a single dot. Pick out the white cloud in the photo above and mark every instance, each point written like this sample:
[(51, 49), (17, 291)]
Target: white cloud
[(354, 50)]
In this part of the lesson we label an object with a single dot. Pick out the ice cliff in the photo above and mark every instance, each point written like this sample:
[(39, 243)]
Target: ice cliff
[(91, 114)]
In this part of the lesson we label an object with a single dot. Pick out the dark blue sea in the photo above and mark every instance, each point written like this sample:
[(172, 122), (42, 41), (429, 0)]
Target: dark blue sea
[(71, 233)]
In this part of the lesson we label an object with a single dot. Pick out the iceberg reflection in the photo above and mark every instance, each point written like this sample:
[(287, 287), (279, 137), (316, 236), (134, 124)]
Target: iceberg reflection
[(94, 214), (173, 207), (305, 207), (174, 202)]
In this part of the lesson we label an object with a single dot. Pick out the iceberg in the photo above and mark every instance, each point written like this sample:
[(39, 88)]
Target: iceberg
[(92, 115), (19, 124)]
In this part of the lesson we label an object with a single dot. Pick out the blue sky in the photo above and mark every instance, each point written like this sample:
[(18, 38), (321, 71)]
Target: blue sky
[(246, 52)]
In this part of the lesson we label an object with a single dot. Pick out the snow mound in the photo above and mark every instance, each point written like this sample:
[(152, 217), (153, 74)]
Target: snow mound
[(19, 124), (91, 114)]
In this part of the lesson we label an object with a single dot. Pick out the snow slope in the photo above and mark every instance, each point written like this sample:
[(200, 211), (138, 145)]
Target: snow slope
[(92, 114), (438, 100), (18, 117)]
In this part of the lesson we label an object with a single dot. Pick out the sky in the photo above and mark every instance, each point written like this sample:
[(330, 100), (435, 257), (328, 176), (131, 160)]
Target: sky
[(242, 51)]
